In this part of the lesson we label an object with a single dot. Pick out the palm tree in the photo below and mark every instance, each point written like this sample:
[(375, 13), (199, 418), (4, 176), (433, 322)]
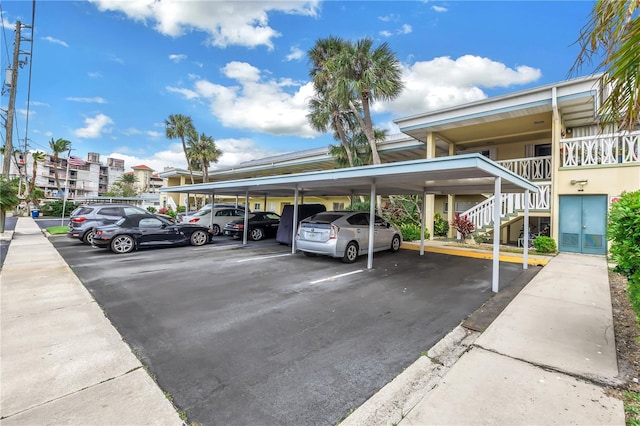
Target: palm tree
[(38, 157), (370, 75), (613, 34), (128, 178), (8, 198), (180, 126), (326, 112), (202, 150), (57, 146)]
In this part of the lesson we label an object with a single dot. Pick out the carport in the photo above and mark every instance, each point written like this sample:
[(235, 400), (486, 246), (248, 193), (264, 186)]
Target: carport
[(459, 174)]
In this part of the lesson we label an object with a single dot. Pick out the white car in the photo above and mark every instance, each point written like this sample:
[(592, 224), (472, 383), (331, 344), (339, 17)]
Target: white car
[(345, 235), (216, 218)]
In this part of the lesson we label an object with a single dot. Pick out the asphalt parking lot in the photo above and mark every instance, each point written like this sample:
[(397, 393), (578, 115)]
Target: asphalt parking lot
[(255, 335)]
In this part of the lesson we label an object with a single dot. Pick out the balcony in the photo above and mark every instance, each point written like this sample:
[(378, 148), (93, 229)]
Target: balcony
[(532, 168), (600, 150)]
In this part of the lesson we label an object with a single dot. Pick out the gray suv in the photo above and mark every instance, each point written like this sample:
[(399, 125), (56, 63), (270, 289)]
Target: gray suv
[(85, 218)]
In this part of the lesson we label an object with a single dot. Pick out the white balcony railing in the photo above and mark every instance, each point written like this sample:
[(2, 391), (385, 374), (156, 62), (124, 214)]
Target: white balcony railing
[(482, 214), (532, 168), (612, 148)]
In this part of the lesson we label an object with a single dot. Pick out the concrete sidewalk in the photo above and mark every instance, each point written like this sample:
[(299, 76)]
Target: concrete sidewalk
[(62, 360), (546, 359)]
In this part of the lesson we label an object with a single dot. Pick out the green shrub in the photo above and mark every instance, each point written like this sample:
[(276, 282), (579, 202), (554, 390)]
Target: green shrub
[(440, 226), (411, 232), (54, 208), (181, 209), (151, 209), (544, 244), (482, 238), (623, 229)]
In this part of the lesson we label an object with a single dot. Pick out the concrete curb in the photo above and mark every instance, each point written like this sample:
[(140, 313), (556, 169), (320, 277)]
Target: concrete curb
[(391, 404)]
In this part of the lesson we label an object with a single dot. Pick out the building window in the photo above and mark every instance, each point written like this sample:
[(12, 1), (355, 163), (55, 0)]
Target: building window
[(256, 206), (338, 206)]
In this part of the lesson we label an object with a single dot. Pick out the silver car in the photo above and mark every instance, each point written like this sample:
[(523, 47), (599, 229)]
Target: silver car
[(215, 218), (345, 235)]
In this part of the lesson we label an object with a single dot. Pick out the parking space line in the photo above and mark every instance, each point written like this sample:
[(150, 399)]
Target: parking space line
[(336, 277), (262, 257)]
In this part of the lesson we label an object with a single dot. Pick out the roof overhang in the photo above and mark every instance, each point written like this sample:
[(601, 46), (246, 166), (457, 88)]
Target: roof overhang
[(522, 116), (460, 174)]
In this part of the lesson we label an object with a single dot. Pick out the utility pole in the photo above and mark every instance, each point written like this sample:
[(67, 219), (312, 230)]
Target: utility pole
[(11, 107)]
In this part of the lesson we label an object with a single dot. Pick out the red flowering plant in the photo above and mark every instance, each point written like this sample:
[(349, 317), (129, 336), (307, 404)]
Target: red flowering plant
[(463, 225)]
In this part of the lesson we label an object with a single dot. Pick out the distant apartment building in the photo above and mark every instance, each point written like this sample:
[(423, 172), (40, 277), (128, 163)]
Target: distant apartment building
[(83, 178), (146, 180)]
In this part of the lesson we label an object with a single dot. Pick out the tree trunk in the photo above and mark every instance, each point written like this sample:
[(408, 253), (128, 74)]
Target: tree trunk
[(186, 157), (343, 138), (368, 134), (55, 173)]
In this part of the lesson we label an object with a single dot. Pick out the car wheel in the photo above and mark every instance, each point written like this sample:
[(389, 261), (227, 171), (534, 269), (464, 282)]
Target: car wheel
[(350, 253), (395, 244), (256, 234), (198, 238), (88, 237), (309, 254), (122, 244), (216, 229)]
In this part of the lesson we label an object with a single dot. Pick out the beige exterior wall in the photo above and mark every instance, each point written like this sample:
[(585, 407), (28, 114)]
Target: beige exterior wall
[(612, 180)]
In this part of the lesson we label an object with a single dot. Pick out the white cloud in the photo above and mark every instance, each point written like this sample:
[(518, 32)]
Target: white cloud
[(177, 58), (444, 82), (388, 18), (95, 75), (55, 41), (95, 100), (278, 107), (295, 54), (405, 29), (439, 9), (95, 127), (386, 33), (188, 94), (242, 23)]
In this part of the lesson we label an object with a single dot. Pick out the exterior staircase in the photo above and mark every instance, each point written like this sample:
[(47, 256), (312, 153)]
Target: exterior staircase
[(511, 208)]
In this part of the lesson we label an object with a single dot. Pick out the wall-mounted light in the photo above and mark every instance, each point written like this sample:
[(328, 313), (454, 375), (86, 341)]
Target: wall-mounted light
[(581, 183)]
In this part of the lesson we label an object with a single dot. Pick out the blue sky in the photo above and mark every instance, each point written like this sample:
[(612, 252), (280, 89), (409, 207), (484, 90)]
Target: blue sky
[(106, 74)]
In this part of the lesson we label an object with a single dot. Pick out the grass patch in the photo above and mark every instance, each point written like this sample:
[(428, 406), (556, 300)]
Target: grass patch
[(631, 402), (58, 230)]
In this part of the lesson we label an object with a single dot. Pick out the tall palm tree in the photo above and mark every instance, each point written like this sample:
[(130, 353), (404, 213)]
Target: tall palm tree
[(202, 149), (613, 34), (370, 75), (57, 146), (128, 178), (326, 112), (180, 126), (38, 157)]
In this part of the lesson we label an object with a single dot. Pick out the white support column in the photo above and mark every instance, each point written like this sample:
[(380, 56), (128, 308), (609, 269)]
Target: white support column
[(525, 258), (422, 220), (245, 231), (295, 221), (372, 218), (495, 279)]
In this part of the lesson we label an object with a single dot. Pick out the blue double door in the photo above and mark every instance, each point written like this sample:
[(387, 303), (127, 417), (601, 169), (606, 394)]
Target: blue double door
[(583, 224)]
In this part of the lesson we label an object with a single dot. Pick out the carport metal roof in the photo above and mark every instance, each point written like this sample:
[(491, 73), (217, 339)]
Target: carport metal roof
[(459, 174)]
